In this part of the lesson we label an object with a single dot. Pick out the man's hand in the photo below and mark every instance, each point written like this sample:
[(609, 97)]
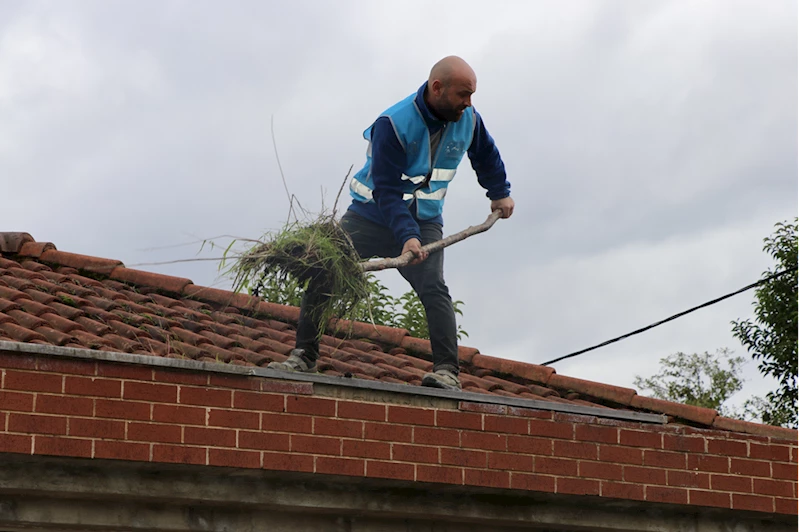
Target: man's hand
[(505, 205), (413, 245)]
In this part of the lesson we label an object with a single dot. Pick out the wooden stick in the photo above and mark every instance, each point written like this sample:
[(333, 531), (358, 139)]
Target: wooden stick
[(403, 260)]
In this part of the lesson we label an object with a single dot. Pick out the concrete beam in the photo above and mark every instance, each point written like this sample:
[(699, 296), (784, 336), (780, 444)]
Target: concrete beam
[(71, 494)]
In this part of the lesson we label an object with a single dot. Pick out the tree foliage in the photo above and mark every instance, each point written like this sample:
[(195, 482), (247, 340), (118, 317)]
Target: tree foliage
[(706, 380), (772, 337)]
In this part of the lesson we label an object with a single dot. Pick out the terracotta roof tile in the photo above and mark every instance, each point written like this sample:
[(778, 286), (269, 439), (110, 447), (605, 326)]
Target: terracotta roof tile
[(258, 359), (13, 242), (705, 416), (56, 337), (186, 350), (61, 324), (99, 315), (7, 305), (222, 355), (90, 340), (136, 308), (616, 394), (29, 321), (24, 273), (418, 363), (123, 344), (71, 299), (533, 372), (20, 334), (221, 329), (404, 376), (125, 330), (53, 277), (34, 266), (192, 325), (69, 311), (417, 345), (41, 297), (190, 337), (394, 361), (35, 249), (93, 326), (103, 303), (12, 294), (52, 297), (736, 425), (224, 318), (140, 278)]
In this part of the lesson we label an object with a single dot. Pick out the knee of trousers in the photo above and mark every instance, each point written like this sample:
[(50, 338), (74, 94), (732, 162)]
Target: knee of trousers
[(434, 292)]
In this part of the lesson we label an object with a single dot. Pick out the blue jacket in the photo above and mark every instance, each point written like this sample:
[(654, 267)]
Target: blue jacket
[(398, 188)]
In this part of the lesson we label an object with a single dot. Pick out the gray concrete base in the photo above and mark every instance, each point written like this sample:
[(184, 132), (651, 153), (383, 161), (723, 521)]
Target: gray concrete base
[(55, 494)]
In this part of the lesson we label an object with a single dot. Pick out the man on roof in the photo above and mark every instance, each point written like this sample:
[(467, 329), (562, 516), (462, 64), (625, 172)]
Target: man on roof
[(415, 147)]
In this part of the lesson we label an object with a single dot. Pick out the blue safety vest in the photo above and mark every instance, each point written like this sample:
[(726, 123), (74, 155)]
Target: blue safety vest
[(425, 176)]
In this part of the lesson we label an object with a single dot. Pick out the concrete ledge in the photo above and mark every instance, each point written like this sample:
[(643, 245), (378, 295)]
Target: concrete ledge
[(80, 494)]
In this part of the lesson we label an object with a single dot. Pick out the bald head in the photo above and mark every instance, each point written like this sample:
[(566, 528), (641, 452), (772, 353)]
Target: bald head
[(450, 87), (452, 68)]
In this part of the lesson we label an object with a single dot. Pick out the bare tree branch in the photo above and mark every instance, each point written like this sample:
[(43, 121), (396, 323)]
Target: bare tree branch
[(403, 260)]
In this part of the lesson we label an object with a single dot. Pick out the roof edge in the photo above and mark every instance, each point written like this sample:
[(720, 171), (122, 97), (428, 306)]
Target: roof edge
[(248, 371)]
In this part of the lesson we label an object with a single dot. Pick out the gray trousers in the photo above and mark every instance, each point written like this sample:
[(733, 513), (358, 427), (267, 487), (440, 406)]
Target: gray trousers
[(426, 278)]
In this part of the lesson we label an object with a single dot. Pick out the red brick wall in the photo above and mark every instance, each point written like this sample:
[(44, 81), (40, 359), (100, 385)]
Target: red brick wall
[(96, 409)]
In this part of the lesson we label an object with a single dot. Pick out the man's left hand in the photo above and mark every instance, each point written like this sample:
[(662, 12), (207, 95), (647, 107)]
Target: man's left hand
[(505, 205)]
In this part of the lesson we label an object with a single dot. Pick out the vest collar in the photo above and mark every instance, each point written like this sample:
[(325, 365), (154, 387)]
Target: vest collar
[(430, 119)]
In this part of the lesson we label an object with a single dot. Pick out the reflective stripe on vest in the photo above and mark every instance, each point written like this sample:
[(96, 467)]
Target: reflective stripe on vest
[(442, 174), (362, 190), (435, 195), (415, 179)]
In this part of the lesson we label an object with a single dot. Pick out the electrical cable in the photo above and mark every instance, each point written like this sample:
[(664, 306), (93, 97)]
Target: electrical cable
[(661, 322)]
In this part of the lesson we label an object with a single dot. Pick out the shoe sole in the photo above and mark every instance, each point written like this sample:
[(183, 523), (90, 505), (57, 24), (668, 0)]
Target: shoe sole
[(432, 382)]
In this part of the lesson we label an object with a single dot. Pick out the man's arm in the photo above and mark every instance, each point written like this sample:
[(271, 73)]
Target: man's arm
[(388, 161), (490, 169)]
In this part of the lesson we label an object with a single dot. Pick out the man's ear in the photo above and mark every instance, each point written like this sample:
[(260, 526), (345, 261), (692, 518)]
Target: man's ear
[(436, 87)]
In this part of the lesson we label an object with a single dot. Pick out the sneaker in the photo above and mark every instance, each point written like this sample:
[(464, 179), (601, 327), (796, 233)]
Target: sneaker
[(295, 362), (442, 378)]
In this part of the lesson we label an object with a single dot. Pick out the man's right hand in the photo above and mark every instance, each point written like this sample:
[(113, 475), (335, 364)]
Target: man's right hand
[(413, 245)]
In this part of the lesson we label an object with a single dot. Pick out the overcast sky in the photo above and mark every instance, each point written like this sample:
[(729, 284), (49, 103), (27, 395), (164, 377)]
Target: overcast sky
[(651, 146)]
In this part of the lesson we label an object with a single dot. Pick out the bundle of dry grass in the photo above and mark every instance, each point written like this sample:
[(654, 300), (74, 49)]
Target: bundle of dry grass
[(319, 250)]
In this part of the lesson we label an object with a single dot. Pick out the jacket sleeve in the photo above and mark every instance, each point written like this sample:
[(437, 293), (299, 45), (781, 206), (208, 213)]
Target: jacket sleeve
[(388, 161), (487, 163)]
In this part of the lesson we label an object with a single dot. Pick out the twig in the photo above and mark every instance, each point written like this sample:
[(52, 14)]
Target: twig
[(403, 260), (280, 167), (368, 266), (199, 241), (179, 261), (335, 203)]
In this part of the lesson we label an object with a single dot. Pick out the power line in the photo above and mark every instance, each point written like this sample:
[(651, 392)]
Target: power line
[(661, 322)]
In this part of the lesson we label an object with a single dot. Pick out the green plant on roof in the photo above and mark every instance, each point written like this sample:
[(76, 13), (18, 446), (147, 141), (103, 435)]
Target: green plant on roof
[(65, 299), (127, 319)]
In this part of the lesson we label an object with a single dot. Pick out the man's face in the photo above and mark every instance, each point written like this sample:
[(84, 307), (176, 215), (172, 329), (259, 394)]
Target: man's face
[(454, 98)]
